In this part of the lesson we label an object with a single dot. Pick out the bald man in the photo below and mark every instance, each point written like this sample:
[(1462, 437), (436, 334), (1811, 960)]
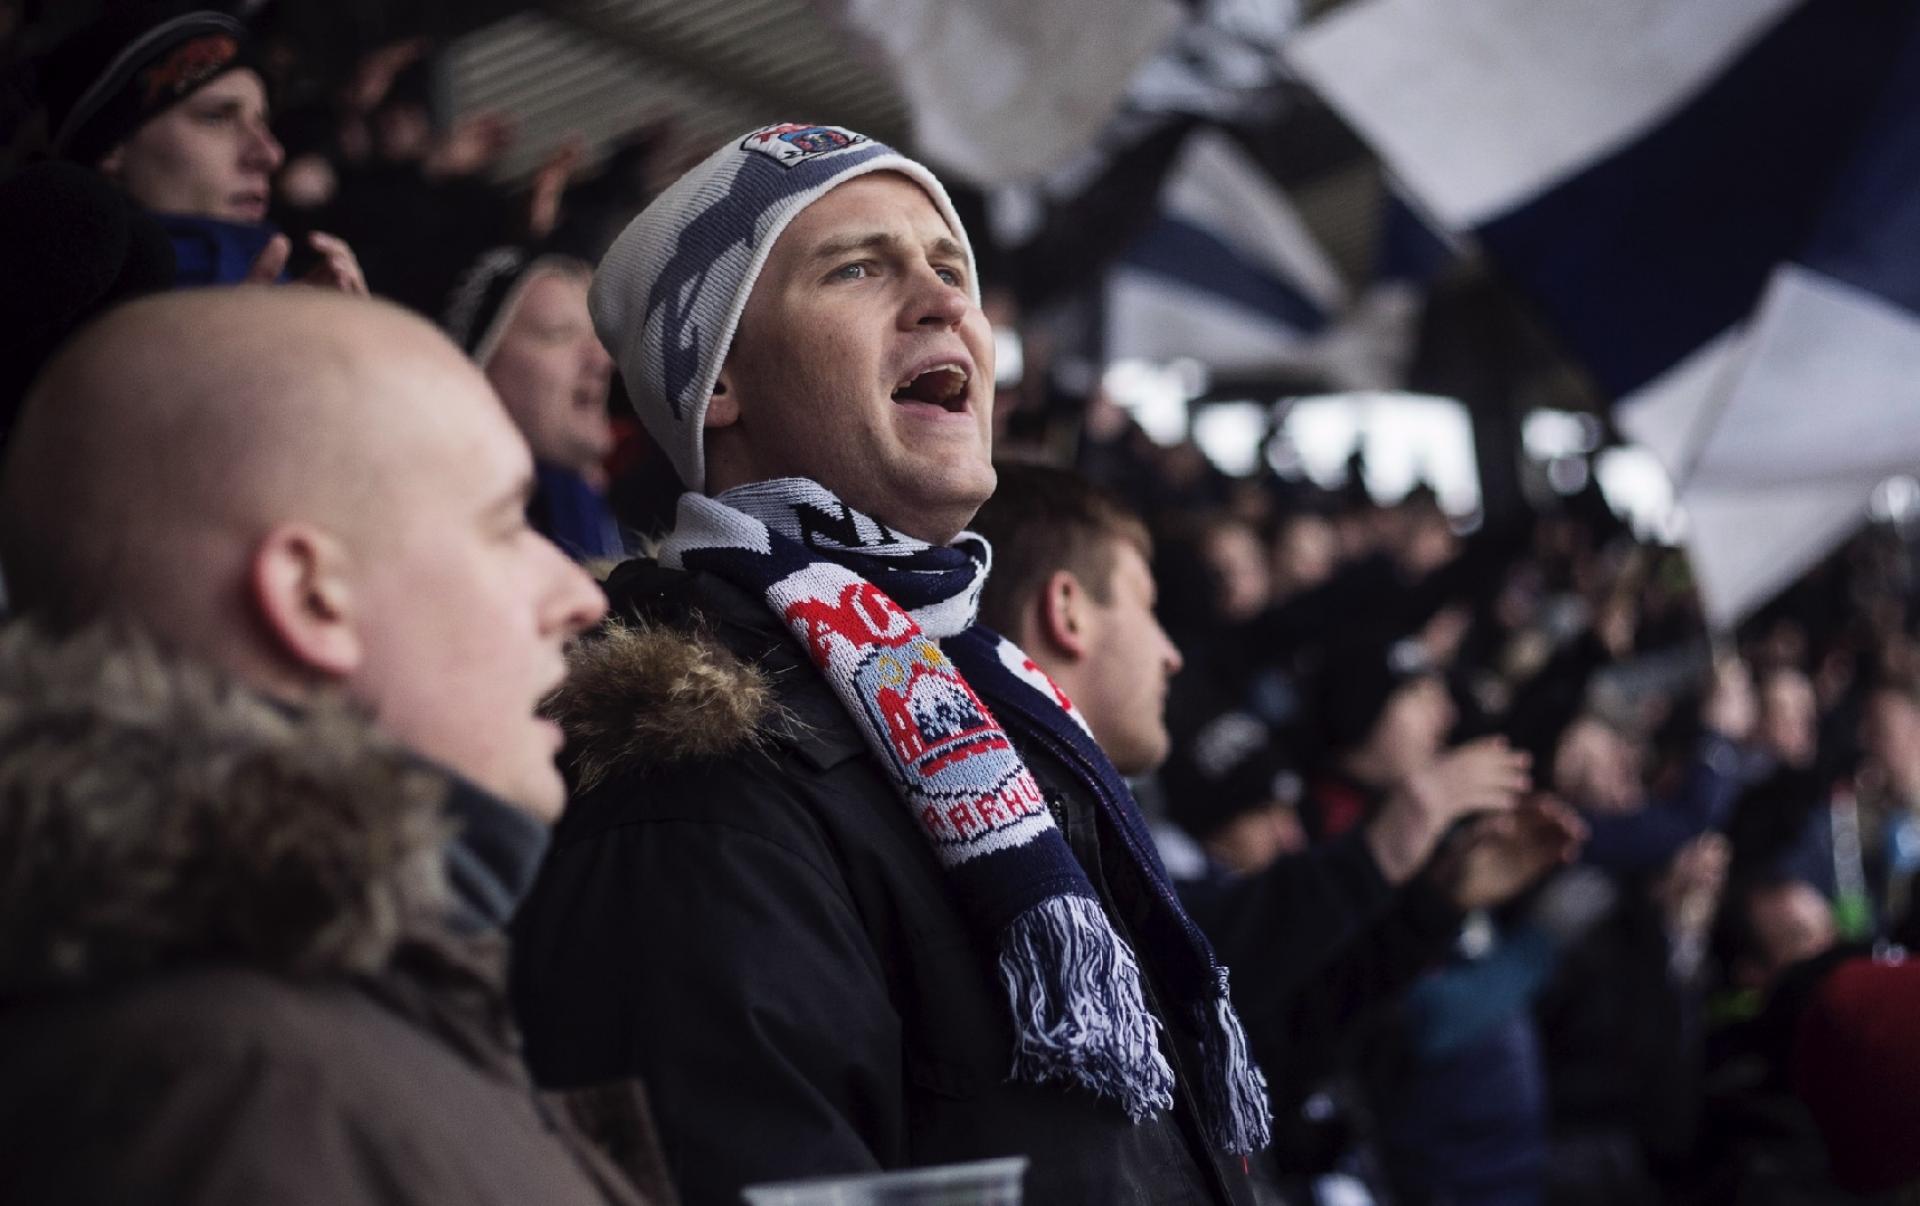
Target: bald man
[(243, 961)]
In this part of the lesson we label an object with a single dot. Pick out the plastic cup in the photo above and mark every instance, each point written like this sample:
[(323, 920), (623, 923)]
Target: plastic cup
[(979, 1183)]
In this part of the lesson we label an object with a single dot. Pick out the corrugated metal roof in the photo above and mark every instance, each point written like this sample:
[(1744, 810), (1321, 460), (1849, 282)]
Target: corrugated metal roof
[(605, 68)]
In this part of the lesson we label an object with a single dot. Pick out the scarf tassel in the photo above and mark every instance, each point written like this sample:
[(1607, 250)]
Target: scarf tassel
[(1239, 1117), (1080, 1014)]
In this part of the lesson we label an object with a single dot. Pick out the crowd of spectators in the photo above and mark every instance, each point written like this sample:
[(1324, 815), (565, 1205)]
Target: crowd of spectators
[(1210, 839)]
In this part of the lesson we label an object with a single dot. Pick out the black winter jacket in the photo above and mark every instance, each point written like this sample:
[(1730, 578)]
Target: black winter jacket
[(738, 908)]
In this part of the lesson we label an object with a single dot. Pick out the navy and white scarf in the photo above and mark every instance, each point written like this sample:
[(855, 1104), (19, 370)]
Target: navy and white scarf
[(889, 621)]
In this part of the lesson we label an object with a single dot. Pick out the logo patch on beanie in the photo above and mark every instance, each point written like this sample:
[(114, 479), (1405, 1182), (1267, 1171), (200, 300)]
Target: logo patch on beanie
[(790, 142), (190, 65)]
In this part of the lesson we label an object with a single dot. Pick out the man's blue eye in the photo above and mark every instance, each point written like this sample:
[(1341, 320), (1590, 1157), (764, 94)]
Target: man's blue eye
[(849, 272)]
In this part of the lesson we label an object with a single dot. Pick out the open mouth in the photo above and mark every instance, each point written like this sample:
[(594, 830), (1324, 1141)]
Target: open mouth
[(943, 385)]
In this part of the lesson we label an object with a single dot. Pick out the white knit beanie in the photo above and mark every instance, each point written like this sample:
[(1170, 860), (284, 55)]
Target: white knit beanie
[(668, 294)]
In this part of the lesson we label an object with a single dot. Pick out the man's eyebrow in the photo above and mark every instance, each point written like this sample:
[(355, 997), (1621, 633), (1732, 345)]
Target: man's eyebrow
[(847, 244), (944, 246), (949, 248)]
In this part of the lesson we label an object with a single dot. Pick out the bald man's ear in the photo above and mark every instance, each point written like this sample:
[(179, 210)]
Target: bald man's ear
[(1060, 616), (723, 409), (302, 593)]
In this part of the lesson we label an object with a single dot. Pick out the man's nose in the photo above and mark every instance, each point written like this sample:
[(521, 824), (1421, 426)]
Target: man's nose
[(939, 303), (263, 149), (594, 358), (576, 603)]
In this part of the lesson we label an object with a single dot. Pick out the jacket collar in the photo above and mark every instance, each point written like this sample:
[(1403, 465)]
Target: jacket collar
[(492, 860), (154, 814), (688, 667)]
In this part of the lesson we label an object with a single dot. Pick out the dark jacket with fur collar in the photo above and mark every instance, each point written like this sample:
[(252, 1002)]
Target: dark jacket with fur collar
[(738, 909), (225, 973)]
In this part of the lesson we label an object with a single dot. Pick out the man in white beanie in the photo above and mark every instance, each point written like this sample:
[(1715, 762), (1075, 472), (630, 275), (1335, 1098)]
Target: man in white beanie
[(845, 877)]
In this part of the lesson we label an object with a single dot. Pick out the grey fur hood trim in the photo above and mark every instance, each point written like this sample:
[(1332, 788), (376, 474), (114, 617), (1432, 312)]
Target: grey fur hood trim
[(643, 693), (154, 814)]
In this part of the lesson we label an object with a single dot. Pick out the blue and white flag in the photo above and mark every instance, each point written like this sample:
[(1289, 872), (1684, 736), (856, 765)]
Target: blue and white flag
[(1230, 276), (1697, 195)]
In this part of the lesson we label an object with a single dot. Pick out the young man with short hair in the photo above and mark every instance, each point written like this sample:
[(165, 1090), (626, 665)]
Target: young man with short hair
[(1323, 938)]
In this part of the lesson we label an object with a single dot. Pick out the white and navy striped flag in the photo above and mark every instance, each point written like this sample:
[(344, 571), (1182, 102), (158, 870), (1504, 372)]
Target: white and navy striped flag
[(1701, 197), (1228, 274)]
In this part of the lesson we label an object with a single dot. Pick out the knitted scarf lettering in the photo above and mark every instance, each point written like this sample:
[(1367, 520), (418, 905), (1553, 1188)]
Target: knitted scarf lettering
[(869, 606)]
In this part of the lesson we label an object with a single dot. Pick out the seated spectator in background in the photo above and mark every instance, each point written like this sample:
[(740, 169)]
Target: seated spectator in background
[(1774, 922), (858, 900), (1236, 791), (1784, 824), (1304, 553), (1381, 715), (242, 960), (1601, 770), (1621, 1035), (417, 190), (168, 103), (1889, 814), (523, 318), (1456, 1083), (1236, 561), (1777, 941)]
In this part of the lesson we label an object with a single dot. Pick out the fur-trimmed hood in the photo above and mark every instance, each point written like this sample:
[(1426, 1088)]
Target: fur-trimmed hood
[(154, 814), (643, 692)]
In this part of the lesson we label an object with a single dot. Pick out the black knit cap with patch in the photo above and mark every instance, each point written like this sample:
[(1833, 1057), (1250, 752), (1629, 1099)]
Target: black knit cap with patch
[(1233, 764), (1355, 684), (108, 80)]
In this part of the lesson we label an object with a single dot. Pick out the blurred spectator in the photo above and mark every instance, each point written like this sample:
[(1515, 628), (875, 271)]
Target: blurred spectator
[(1888, 813), (1305, 553), (1237, 791), (1775, 922), (169, 104), (412, 189), (523, 318), (1603, 771), (1622, 1035)]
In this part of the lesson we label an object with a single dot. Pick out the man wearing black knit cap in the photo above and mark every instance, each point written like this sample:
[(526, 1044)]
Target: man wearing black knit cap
[(168, 104)]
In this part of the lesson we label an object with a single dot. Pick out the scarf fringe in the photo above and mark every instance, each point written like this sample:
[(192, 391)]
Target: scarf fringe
[(1080, 1014), (1238, 1114)]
